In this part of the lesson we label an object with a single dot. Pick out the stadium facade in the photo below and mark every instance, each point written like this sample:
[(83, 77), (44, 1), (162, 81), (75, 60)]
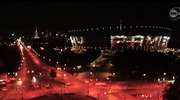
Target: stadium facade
[(147, 37)]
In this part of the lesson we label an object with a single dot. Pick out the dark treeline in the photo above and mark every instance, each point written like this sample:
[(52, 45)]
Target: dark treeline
[(9, 58), (135, 62)]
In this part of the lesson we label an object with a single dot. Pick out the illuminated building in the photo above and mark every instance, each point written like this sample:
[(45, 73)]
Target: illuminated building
[(146, 37), (36, 36)]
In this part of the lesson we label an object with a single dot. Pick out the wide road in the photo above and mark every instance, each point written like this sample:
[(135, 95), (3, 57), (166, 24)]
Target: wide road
[(33, 80)]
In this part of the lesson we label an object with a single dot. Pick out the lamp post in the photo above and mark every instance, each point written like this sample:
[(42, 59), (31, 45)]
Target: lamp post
[(87, 82), (109, 85), (91, 74), (74, 69), (19, 83)]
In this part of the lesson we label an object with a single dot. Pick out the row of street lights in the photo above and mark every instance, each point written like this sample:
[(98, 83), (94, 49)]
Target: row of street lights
[(162, 79)]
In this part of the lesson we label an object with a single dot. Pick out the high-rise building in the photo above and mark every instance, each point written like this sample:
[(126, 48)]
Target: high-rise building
[(36, 34)]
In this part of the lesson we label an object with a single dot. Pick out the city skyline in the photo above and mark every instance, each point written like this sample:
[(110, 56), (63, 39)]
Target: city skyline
[(22, 17), (89, 50)]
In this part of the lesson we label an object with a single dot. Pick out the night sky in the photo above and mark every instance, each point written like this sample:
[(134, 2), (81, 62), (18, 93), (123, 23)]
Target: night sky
[(54, 16)]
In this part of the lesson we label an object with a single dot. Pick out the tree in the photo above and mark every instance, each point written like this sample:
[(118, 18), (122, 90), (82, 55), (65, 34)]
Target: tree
[(53, 73), (173, 93)]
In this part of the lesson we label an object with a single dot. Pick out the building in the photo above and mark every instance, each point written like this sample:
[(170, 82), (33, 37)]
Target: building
[(147, 37)]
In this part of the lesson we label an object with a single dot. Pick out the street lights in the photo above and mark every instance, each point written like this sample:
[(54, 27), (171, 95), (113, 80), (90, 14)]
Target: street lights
[(74, 71), (91, 76), (113, 74), (164, 74), (173, 77), (19, 82), (64, 76), (79, 66), (89, 80), (91, 73), (144, 76)]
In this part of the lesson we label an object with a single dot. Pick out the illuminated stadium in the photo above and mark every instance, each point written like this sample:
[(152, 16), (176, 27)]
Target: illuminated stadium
[(147, 37)]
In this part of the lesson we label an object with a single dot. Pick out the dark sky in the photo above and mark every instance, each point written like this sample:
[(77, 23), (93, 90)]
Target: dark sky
[(65, 14), (23, 16)]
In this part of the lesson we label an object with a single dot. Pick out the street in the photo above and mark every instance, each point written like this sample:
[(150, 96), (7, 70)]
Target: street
[(33, 80)]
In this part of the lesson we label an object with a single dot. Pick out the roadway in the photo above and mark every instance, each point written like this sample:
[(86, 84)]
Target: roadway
[(33, 80)]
